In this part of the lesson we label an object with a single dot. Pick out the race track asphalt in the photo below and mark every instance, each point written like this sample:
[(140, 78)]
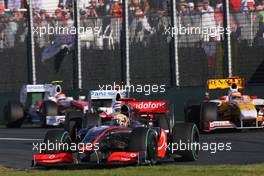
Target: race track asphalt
[(246, 147)]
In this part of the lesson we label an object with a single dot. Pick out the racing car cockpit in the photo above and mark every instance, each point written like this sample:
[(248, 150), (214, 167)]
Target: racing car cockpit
[(233, 93), (235, 96), (123, 116), (119, 119)]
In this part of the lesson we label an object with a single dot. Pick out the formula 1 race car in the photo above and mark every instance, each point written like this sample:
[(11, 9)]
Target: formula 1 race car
[(143, 135), (43, 104), (233, 110)]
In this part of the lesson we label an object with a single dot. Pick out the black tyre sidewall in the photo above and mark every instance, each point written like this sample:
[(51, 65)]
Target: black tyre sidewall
[(49, 108), (208, 113), (56, 137), (90, 120), (162, 121), (138, 143), (14, 115), (192, 112), (73, 123), (185, 133)]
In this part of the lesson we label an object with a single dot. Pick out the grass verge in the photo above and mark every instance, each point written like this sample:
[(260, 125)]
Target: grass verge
[(168, 170)]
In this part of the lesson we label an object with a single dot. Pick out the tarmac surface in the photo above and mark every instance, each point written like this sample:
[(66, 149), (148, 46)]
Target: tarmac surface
[(221, 147)]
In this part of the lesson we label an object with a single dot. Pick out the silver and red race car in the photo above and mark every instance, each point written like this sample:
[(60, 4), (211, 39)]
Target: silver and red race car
[(140, 133), (234, 110), (43, 104), (47, 105)]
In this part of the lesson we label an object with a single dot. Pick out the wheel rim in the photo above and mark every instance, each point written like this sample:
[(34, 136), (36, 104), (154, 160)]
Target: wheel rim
[(152, 149)]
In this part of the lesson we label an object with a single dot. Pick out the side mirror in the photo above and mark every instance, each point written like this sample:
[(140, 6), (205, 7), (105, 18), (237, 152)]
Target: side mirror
[(127, 99)]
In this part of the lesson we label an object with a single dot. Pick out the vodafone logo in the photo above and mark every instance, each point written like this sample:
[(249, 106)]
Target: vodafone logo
[(149, 105), (133, 155), (129, 157), (52, 156)]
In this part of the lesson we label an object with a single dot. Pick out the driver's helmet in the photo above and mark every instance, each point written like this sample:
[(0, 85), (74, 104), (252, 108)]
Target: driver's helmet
[(60, 96), (236, 95), (116, 107), (120, 120)]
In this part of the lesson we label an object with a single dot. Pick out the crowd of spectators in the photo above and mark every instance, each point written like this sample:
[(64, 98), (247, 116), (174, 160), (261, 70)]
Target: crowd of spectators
[(97, 8), (108, 15), (90, 8)]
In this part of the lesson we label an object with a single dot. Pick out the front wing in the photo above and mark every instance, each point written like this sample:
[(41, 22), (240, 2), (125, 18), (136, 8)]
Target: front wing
[(72, 158)]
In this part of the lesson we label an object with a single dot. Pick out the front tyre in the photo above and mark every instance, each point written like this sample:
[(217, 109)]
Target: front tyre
[(209, 113), (56, 137), (144, 140), (14, 114), (73, 123), (187, 135), (192, 112)]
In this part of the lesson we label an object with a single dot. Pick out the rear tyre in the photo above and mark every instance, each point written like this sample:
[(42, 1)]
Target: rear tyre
[(184, 134), (208, 114), (90, 120), (192, 112), (162, 121), (73, 123), (14, 114), (144, 140), (56, 137), (49, 109)]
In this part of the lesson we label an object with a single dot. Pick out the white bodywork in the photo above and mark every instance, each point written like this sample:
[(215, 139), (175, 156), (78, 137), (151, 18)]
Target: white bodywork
[(49, 93), (106, 95), (38, 88), (248, 111), (258, 102), (234, 110), (55, 120)]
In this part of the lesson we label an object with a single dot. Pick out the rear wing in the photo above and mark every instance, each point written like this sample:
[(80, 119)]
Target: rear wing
[(149, 107), (213, 84), (33, 89), (41, 88)]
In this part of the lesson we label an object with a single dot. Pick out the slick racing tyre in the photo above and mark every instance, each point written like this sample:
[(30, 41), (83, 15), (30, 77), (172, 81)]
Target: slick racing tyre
[(144, 140), (14, 114), (54, 138), (187, 135), (49, 108), (91, 120), (192, 112), (73, 123), (162, 121), (208, 113)]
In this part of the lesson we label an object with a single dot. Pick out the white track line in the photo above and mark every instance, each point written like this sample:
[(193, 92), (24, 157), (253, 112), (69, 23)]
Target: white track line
[(19, 139)]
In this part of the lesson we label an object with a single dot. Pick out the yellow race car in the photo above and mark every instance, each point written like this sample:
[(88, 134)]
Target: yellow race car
[(232, 110)]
